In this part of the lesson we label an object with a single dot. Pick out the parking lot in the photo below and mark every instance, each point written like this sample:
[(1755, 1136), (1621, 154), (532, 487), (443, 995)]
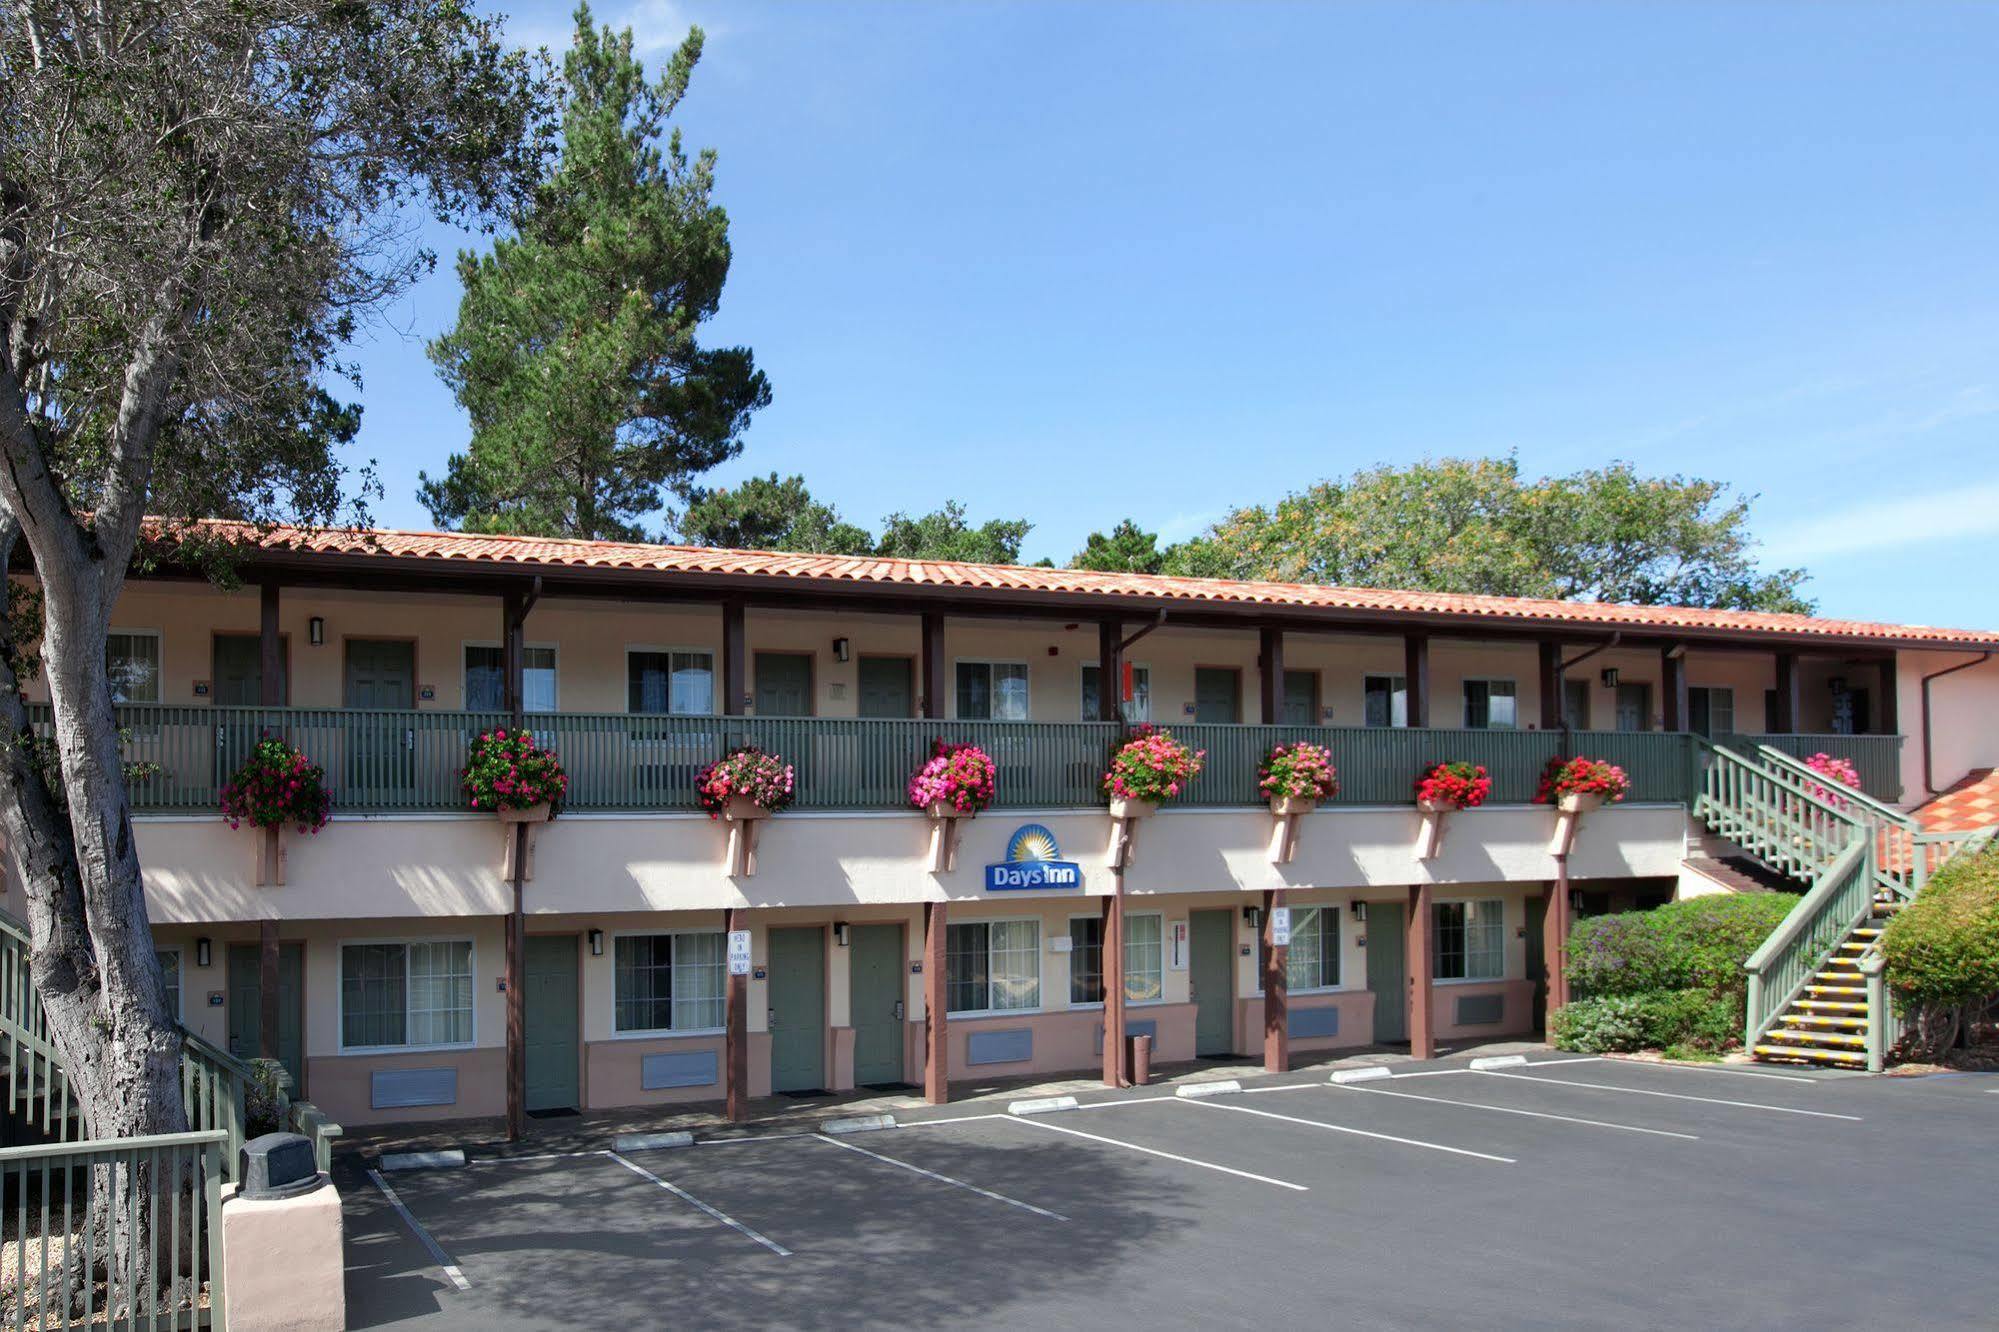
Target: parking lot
[(1565, 1191)]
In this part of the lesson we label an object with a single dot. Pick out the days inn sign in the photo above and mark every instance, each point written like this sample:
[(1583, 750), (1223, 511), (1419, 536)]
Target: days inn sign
[(1033, 860)]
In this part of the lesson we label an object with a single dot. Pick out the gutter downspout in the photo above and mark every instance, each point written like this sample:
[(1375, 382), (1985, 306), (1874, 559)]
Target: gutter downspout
[(1929, 775)]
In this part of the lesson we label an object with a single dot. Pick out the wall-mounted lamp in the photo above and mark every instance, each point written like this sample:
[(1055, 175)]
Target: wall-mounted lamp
[(1359, 910), (315, 631), (1675, 652), (841, 649), (204, 952), (1610, 677), (1252, 916), (840, 933), (596, 943), (1575, 899)]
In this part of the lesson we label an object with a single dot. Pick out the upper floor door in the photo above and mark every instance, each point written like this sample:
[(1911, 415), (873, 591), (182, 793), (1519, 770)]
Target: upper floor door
[(1217, 694), (381, 753), (1634, 707), (1301, 698), (237, 668), (887, 686), (784, 684)]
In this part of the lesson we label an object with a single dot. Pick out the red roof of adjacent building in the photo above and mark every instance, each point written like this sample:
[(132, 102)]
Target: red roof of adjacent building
[(1972, 803), (538, 554)]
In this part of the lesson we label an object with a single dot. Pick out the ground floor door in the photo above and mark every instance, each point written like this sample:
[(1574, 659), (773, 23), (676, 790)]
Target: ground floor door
[(246, 1010), (1388, 970), (798, 1009), (875, 1003), (1537, 956), (548, 998), (1212, 975)]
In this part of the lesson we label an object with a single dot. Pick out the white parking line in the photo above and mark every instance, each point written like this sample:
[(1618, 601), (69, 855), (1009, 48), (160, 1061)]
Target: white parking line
[(437, 1253), (1710, 1068), (1673, 1096), (1358, 1133), (951, 1119), (719, 1215), (1510, 1110), (943, 1179), (1168, 1156)]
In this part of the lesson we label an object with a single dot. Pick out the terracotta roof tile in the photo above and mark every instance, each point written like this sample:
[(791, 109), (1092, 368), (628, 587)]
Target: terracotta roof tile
[(1972, 803)]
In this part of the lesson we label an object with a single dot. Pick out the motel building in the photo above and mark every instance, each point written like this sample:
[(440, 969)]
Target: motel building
[(403, 971)]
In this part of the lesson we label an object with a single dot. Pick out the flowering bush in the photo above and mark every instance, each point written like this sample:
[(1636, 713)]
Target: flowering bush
[(1455, 783), (960, 776), (277, 785), (765, 780), (1301, 771), (509, 770), (1581, 776), (1839, 772), (1151, 766)]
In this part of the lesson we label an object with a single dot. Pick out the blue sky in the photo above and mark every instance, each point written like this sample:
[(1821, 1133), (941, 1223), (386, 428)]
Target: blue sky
[(1074, 262)]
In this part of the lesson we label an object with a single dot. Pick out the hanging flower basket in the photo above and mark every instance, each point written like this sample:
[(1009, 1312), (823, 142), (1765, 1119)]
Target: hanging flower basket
[(1148, 769), (1294, 778), (954, 783), (1576, 786), (1451, 785), (510, 774), (277, 786), (742, 789)]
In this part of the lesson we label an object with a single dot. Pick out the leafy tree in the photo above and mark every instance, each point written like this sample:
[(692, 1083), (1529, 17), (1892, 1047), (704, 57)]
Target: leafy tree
[(575, 351), (197, 200), (1127, 549), (945, 535), (764, 513)]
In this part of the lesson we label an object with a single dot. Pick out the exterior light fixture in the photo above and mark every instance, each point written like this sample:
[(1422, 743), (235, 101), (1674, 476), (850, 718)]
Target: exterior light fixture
[(840, 933), (596, 943), (1359, 910), (1610, 677), (315, 631), (1252, 916), (841, 649), (204, 952)]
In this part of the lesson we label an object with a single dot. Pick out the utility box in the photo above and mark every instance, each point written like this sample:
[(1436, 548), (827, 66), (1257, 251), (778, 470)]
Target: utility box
[(277, 1165)]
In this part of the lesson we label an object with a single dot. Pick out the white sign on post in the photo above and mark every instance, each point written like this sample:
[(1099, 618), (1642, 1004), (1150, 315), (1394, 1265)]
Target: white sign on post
[(1179, 958), (739, 952), (1280, 927)]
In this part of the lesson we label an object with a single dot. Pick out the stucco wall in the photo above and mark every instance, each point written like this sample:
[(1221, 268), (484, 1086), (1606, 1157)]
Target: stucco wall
[(1964, 730)]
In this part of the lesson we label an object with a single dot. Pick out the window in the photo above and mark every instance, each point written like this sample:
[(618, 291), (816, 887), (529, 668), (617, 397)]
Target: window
[(397, 994), (1313, 962), (133, 661), (1385, 701), (1471, 940), (992, 690), (1144, 959), (1086, 960), (993, 966), (1489, 705), (170, 968), (669, 982), (681, 683), (486, 678), (1137, 710), (1711, 711)]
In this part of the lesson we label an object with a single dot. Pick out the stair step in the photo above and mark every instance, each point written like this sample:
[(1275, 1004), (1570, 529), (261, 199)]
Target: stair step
[(1816, 1037), (1852, 994), (1796, 1020), (1795, 1055), (1833, 1005)]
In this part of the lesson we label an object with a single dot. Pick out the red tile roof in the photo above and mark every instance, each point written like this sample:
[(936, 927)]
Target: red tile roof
[(821, 571), (1972, 803)]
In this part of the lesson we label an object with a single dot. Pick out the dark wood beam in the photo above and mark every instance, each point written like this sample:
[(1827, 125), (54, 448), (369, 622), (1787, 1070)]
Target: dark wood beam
[(935, 688), (736, 1034), (1276, 989), (1553, 716), (1416, 675), (1115, 1073), (1422, 944), (735, 666), (1888, 712), (1676, 705), (513, 654), (1270, 664), (1785, 722), (936, 1014), (1110, 670), (1555, 936), (267, 989)]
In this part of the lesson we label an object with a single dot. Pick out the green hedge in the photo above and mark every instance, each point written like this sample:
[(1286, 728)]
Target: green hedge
[(1942, 949)]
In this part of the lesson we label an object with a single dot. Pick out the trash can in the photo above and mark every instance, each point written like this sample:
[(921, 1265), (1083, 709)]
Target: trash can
[(277, 1165), (1141, 1060)]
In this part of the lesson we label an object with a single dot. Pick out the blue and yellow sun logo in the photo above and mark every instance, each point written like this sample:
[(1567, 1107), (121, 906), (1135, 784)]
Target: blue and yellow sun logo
[(1032, 842)]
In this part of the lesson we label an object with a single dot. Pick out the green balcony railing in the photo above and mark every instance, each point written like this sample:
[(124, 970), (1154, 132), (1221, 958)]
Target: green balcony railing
[(1878, 758)]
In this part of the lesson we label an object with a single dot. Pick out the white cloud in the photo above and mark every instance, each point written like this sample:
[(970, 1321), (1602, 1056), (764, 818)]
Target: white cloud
[(1181, 526), (657, 26), (1956, 514)]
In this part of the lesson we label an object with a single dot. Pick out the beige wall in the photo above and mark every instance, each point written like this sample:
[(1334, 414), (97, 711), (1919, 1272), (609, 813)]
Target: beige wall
[(1964, 730)]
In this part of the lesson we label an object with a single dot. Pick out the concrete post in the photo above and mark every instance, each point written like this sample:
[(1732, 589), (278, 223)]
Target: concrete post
[(1422, 944), (1276, 990), (736, 1034), (936, 1041)]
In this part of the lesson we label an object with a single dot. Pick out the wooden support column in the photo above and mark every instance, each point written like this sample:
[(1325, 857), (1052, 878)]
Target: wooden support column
[(735, 664), (1422, 943), (936, 1012), (1785, 722), (513, 655), (271, 690), (736, 1032), (267, 989), (1270, 661), (935, 688), (1110, 670), (516, 980), (1276, 989), (1416, 677), (1555, 936), (1673, 687), (1116, 1072), (1553, 715), (1888, 711)]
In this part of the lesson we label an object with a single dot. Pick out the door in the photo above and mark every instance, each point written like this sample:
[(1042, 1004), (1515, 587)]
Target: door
[(784, 684), (381, 759), (887, 687), (798, 1009), (875, 1003), (1388, 971), (1217, 694), (1575, 704), (548, 997), (1537, 956), (246, 1010), (237, 681), (1301, 698), (1634, 707), (1211, 973)]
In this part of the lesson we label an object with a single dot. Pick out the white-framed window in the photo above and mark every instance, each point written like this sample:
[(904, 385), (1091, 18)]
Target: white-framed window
[(1137, 709), (1711, 710), (1384, 700), (993, 966), (676, 681), (1086, 959), (992, 690), (1490, 705), (1144, 959), (170, 969), (486, 677), (401, 994), (669, 982), (1313, 960), (1471, 940), (132, 658)]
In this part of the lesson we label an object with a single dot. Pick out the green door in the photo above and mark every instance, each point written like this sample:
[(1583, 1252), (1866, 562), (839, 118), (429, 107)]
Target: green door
[(549, 998), (1388, 971), (887, 687), (1537, 950), (875, 998), (246, 1010), (1301, 698), (784, 684), (1212, 975), (798, 1009), (381, 677), (1217, 695), (237, 668)]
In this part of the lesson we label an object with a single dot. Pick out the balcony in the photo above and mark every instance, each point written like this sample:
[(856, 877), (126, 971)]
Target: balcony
[(409, 761)]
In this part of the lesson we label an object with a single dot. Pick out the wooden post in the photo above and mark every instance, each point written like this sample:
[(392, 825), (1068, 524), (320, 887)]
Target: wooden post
[(1673, 685), (1555, 936), (1276, 989), (271, 684), (935, 688), (734, 664), (513, 656), (1416, 677), (1888, 712), (1110, 670), (736, 1032), (1422, 943), (1786, 720), (1116, 1072), (517, 1061), (1554, 717), (936, 1011), (1270, 660), (267, 989)]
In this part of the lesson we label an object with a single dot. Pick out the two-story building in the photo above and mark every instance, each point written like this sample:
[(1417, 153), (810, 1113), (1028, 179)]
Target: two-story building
[(391, 973)]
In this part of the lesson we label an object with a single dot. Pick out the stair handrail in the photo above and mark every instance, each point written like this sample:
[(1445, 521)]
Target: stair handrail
[(1799, 832), (1798, 948), (1852, 795)]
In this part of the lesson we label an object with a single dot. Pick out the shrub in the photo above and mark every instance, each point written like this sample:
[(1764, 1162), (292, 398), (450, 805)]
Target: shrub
[(266, 1098), (1300, 771), (275, 786), (1455, 783), (959, 775), (1698, 944), (765, 780), (1605, 1025), (1151, 766), (1942, 950), (1691, 1020), (1581, 776), (509, 770)]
